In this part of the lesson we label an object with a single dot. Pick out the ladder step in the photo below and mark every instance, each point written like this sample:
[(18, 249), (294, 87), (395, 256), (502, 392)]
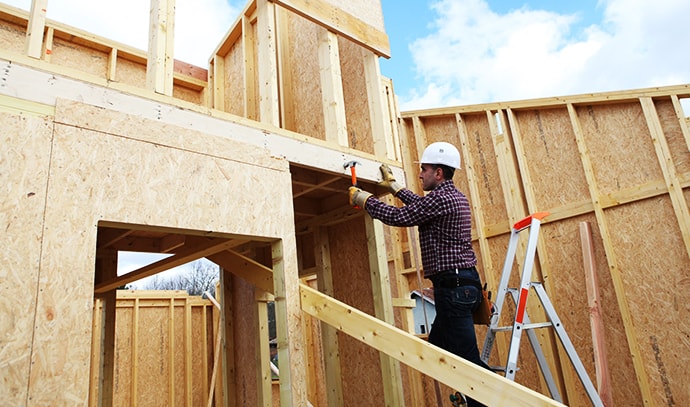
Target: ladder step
[(535, 325)]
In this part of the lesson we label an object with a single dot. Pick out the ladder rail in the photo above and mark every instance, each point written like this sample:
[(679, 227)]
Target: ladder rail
[(521, 320)]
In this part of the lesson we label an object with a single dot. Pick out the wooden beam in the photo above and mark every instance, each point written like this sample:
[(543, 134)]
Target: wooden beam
[(36, 26), (183, 257), (466, 377), (160, 61), (263, 356), (253, 272), (269, 109), (383, 306), (377, 116), (227, 332), (335, 19), (332, 98), (329, 336)]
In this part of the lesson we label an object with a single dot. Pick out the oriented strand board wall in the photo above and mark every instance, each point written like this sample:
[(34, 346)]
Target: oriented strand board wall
[(105, 165), (360, 365), (24, 163), (619, 161)]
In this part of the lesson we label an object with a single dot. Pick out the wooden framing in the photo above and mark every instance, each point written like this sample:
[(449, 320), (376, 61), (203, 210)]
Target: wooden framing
[(243, 164), (616, 160)]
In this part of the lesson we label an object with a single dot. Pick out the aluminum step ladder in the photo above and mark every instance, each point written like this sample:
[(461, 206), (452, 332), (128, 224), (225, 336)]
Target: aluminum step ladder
[(521, 321)]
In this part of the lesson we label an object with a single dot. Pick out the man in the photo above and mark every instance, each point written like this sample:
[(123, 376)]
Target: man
[(444, 221)]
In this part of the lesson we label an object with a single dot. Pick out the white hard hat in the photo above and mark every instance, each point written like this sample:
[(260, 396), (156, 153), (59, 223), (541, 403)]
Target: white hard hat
[(441, 153)]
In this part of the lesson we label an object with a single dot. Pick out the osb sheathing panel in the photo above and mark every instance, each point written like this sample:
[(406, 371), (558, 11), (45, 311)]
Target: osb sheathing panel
[(553, 161), (130, 73), (142, 176), (677, 144), (355, 95), (485, 168), (620, 146), (654, 268), (12, 37), (305, 81), (234, 83), (360, 364), (24, 161), (85, 59)]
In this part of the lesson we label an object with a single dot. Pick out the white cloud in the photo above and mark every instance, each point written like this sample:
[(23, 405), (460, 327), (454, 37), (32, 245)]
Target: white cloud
[(475, 55), (199, 24)]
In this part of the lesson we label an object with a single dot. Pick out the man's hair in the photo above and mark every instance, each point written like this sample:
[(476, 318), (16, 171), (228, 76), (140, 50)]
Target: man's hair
[(447, 171)]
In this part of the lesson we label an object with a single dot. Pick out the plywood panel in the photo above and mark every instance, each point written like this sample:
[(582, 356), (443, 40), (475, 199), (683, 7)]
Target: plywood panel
[(24, 163), (654, 271), (99, 176), (130, 72), (85, 59), (355, 94), (305, 82), (12, 36), (234, 80), (360, 365), (677, 144), (552, 157), (620, 146), (481, 148)]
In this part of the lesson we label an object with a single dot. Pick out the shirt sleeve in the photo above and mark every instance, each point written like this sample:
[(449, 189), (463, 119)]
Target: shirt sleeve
[(417, 209)]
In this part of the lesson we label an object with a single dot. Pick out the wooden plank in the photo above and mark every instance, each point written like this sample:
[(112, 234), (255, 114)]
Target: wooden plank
[(383, 307), (286, 63), (375, 96), (159, 67), (250, 74), (329, 340), (211, 246), (269, 109), (263, 356), (598, 340), (34, 30), (244, 267), (135, 352), (582, 99), (229, 382), (171, 353), (188, 379), (339, 21), (332, 88), (435, 362)]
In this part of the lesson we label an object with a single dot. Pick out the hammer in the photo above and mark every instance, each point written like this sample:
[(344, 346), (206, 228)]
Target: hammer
[(351, 166)]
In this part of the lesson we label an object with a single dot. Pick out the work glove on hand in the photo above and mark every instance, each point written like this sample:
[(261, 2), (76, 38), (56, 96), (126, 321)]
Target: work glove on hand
[(358, 197), (389, 180)]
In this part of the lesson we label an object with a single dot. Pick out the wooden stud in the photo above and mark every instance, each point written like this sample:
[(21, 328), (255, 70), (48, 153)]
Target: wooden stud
[(263, 356), (229, 382), (251, 78), (375, 97), (135, 353), (383, 307), (188, 352), (269, 109), (329, 341), (34, 30), (159, 67), (332, 88)]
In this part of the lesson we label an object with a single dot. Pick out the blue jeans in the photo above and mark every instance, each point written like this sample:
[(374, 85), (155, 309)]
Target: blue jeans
[(453, 327)]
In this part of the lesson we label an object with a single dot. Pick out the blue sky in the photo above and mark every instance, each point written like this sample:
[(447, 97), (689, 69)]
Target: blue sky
[(457, 52)]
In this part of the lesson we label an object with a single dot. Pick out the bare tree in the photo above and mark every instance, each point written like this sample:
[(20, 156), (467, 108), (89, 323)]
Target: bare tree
[(202, 276)]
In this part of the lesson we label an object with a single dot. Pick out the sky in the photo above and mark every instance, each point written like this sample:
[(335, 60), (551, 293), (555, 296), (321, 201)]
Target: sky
[(457, 52)]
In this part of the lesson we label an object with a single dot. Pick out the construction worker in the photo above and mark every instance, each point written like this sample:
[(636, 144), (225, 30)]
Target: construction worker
[(444, 222)]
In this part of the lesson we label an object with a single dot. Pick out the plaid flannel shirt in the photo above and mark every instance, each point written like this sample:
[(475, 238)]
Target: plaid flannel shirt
[(444, 220)]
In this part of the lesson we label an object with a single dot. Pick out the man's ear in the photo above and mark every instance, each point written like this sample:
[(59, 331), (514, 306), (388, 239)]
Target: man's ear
[(438, 173)]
